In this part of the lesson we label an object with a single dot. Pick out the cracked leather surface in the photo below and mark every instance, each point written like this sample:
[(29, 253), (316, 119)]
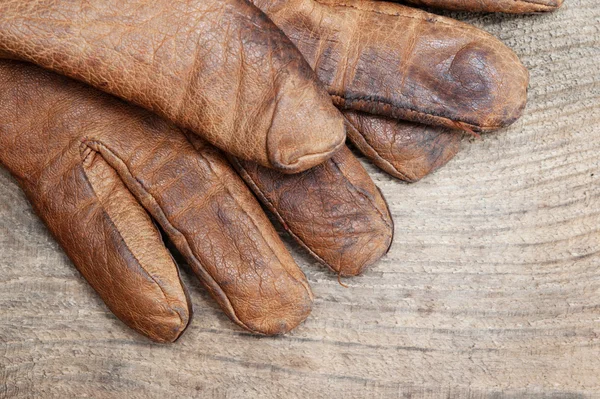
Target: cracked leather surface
[(406, 150), (99, 171), (374, 57), (391, 61), (334, 210), (218, 68), (400, 62), (94, 167), (406, 81)]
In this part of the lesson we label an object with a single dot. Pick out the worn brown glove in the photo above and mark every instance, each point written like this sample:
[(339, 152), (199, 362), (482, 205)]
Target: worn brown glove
[(94, 168), (386, 139), (382, 63)]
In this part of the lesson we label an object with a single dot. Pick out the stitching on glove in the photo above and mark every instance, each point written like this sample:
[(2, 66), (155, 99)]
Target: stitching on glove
[(233, 161), (88, 151), (101, 147), (272, 208), (347, 104), (248, 179)]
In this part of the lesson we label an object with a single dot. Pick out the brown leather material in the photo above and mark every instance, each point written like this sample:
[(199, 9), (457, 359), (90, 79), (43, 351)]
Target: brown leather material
[(399, 62), (406, 150), (333, 210), (375, 57), (220, 68), (509, 6), (94, 168)]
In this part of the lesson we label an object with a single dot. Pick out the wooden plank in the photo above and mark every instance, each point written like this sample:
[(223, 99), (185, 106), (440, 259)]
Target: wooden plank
[(491, 289)]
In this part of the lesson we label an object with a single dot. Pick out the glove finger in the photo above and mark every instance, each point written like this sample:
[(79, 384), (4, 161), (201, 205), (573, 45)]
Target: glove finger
[(213, 220), (201, 203), (334, 210), (403, 63), (231, 244), (102, 228), (509, 6), (219, 68), (406, 150)]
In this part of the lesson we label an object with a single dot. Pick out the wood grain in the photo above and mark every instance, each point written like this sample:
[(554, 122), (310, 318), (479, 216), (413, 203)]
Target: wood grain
[(491, 289)]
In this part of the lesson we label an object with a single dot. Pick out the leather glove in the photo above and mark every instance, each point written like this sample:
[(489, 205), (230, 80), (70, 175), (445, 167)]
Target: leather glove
[(99, 171), (386, 66)]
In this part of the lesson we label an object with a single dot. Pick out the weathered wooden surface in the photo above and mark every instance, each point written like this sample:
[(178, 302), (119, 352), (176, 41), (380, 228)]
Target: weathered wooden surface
[(492, 287)]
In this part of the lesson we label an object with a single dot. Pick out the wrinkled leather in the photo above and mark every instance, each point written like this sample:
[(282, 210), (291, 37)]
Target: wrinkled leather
[(390, 69), (378, 58), (399, 62), (217, 67), (509, 6), (334, 210), (94, 168), (406, 150), (394, 62)]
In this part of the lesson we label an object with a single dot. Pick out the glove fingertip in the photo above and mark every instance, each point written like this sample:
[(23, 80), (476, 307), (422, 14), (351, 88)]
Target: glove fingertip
[(334, 211), (282, 316), (306, 128), (355, 259), (168, 325)]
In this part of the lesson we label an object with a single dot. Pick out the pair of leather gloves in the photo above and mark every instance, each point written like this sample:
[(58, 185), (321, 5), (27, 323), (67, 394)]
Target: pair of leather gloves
[(235, 96)]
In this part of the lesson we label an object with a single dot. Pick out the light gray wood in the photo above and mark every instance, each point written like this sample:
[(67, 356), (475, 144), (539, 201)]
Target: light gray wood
[(491, 289)]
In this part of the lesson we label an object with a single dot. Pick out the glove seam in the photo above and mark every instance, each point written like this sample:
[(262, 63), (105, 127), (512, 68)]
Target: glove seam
[(401, 174), (381, 215), (255, 188), (172, 228), (85, 144), (379, 158), (254, 223), (460, 125), (258, 192)]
